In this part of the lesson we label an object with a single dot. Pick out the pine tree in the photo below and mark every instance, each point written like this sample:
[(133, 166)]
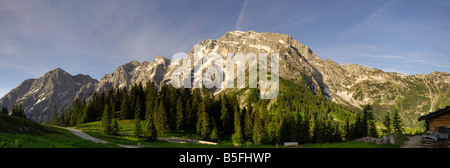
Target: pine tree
[(357, 129), (106, 120), (370, 121), (125, 110), (5, 110), (137, 111), (137, 125), (21, 111), (387, 124), (55, 116), (372, 129), (226, 117), (18, 111), (304, 129), (397, 124), (347, 129), (114, 127), (237, 137), (271, 131), (180, 114), (214, 133), (150, 131), (203, 122), (364, 121), (83, 116), (189, 126), (248, 123), (193, 115), (284, 130), (61, 119), (161, 119), (258, 130)]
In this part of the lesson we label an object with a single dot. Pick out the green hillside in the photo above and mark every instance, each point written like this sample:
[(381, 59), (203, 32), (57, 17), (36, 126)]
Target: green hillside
[(17, 132), (235, 115)]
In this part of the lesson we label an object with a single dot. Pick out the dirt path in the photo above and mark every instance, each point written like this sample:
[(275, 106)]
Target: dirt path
[(185, 140), (179, 140), (413, 142), (83, 135)]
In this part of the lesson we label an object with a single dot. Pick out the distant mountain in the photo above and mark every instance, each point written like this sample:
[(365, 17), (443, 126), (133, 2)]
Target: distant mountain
[(57, 87), (412, 95), (349, 85), (135, 72), (294, 58)]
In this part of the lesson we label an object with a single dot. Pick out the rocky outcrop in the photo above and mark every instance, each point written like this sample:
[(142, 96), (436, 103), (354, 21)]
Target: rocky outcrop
[(135, 72), (294, 58), (350, 84), (56, 88)]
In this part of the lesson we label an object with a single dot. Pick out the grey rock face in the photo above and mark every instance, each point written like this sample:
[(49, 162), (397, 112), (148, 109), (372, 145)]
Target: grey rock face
[(57, 87), (349, 84), (295, 58), (135, 72)]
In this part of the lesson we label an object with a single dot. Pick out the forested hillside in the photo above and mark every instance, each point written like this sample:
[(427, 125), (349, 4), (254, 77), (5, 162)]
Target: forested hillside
[(297, 114)]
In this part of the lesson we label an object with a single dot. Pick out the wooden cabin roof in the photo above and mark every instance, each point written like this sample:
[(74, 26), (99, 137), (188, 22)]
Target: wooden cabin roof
[(435, 114)]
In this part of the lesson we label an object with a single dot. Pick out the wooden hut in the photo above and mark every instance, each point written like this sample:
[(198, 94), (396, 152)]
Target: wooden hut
[(438, 120)]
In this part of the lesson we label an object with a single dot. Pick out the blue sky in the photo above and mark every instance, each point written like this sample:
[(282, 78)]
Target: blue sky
[(96, 36)]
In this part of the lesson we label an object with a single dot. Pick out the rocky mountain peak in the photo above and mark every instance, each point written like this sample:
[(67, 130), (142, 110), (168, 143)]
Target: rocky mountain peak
[(55, 88), (350, 84), (135, 72)]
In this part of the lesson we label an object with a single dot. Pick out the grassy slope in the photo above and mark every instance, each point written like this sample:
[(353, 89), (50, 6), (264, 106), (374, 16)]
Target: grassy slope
[(126, 128), (28, 134)]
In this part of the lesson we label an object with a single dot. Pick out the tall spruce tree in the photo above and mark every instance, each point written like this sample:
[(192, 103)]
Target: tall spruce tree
[(203, 122), (304, 129), (397, 124), (150, 131), (106, 120), (5, 110), (387, 124), (180, 114), (137, 124), (258, 130), (347, 129), (125, 107), (248, 124), (114, 127), (226, 117), (161, 119), (18, 111), (55, 116), (237, 136)]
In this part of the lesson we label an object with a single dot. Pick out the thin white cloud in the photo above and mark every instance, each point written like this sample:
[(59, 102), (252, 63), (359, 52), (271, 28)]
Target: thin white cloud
[(241, 15), (369, 21)]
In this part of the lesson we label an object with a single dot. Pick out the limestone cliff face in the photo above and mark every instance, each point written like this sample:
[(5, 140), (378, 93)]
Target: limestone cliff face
[(294, 57), (412, 95), (350, 84), (56, 88), (135, 72)]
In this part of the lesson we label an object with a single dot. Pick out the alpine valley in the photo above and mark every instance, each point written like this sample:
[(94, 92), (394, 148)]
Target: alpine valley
[(350, 85)]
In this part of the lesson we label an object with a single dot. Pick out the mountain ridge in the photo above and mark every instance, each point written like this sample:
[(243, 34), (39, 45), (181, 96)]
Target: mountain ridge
[(56, 87), (351, 85)]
